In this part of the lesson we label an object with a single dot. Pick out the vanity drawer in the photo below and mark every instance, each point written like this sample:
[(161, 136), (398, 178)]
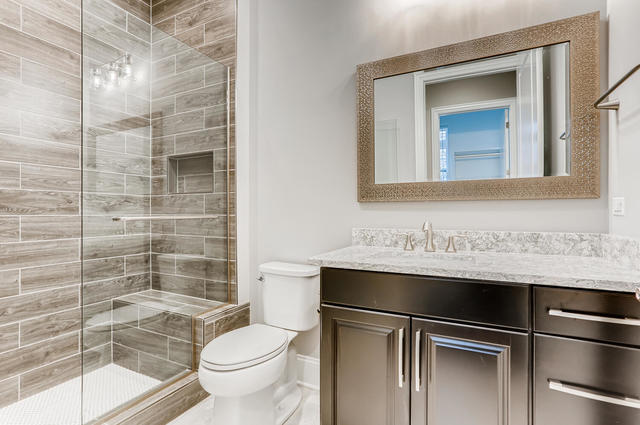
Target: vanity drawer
[(598, 315), (585, 383), (490, 303)]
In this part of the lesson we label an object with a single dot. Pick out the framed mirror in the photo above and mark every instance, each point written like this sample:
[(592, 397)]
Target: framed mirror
[(509, 116)]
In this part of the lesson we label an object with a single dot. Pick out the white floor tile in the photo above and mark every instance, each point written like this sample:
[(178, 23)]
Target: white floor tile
[(104, 389)]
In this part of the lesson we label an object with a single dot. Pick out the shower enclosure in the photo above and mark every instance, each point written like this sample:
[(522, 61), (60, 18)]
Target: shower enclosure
[(146, 228)]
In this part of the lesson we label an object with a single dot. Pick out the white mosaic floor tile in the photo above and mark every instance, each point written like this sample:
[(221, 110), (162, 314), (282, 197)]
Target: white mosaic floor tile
[(104, 389)]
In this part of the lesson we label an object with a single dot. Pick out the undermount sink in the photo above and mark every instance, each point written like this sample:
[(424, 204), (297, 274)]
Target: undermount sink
[(448, 256), (429, 256)]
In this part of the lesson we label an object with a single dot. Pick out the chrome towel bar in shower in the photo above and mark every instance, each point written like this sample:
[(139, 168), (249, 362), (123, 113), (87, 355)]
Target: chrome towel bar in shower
[(614, 104), (167, 217)]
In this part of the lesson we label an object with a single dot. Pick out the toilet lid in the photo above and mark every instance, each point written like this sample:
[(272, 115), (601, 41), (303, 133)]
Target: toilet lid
[(244, 347)]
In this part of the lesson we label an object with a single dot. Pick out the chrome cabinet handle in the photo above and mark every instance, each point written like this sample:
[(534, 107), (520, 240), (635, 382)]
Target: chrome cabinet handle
[(593, 395), (594, 317), (417, 361), (401, 357)]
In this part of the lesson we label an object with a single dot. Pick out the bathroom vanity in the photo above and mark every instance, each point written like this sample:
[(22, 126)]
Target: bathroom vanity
[(432, 347), (519, 328)]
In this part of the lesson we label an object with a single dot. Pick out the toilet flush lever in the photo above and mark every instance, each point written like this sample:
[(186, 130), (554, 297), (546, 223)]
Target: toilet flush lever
[(260, 278)]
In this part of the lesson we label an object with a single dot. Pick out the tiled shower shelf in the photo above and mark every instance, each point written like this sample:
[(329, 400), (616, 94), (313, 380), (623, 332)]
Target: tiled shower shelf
[(156, 301), (168, 301)]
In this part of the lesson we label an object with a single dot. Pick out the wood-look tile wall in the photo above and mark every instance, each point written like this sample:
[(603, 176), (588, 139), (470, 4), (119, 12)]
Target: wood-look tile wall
[(189, 116), (40, 179), (152, 341), (40, 187)]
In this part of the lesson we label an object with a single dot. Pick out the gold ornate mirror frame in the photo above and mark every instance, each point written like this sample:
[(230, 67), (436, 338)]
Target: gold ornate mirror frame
[(582, 33)]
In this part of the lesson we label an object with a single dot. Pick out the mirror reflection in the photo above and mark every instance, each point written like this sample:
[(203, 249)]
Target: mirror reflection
[(502, 117)]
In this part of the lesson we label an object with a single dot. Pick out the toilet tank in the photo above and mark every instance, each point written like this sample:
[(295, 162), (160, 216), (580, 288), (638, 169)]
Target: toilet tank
[(290, 295)]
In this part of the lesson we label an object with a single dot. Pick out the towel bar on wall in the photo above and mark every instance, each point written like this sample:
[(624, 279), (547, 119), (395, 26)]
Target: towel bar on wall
[(167, 217), (614, 104)]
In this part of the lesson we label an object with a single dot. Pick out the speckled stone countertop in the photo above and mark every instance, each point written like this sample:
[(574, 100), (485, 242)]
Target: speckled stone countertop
[(596, 269)]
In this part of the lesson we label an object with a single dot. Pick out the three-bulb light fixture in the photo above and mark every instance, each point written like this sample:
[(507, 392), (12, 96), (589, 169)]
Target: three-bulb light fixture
[(112, 74)]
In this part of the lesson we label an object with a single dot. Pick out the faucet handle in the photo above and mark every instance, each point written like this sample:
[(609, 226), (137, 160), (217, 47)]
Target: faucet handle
[(451, 243), (427, 226), (408, 246)]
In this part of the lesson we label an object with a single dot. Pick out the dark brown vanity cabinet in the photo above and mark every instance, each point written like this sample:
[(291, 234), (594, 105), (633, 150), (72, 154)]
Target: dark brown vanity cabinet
[(403, 349), (409, 364)]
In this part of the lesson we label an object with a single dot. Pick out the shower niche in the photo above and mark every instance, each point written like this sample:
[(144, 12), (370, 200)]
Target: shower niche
[(193, 173)]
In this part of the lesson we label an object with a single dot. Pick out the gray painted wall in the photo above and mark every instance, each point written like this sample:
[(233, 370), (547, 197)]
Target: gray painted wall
[(300, 147)]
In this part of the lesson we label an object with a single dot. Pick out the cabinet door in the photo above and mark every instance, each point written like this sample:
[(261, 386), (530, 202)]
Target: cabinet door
[(364, 368), (467, 375)]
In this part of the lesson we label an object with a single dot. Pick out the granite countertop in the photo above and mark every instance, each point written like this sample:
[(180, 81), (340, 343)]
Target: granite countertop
[(552, 270)]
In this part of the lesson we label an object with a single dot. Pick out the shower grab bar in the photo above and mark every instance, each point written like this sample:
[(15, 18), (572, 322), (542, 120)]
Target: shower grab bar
[(167, 217), (614, 104)]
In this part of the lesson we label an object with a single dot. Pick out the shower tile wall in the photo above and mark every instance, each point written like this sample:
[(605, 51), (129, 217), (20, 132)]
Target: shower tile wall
[(39, 196), (188, 256)]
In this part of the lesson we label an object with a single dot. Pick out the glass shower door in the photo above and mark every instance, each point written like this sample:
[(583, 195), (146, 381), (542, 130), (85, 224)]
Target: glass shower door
[(154, 204)]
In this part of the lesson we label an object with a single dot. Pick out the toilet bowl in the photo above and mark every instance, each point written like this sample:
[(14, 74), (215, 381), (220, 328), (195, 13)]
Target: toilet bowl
[(251, 371)]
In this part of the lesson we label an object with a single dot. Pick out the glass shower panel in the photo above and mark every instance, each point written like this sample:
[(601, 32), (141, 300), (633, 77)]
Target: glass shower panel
[(154, 204)]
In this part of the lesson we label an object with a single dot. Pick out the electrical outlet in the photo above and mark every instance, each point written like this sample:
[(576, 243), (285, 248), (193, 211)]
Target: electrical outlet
[(618, 206)]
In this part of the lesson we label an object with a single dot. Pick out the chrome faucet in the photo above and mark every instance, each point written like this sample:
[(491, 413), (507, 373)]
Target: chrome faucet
[(429, 246)]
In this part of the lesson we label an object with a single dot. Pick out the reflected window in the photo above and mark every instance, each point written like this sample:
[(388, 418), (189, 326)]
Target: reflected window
[(473, 144), (444, 153)]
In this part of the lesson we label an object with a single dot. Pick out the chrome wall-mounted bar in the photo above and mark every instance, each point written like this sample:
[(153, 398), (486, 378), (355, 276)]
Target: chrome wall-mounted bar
[(614, 104), (167, 217)]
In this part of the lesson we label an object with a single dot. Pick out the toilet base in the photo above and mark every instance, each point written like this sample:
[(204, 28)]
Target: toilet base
[(288, 405), (253, 409), (257, 408)]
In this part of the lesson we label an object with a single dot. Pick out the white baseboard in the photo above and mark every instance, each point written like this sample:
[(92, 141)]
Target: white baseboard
[(309, 372)]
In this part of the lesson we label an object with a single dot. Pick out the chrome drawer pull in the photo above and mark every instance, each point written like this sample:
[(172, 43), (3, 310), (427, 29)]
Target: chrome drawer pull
[(401, 357), (417, 361), (592, 395), (594, 318)]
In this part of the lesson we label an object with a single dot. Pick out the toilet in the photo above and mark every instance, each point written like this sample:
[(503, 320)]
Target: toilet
[(252, 371)]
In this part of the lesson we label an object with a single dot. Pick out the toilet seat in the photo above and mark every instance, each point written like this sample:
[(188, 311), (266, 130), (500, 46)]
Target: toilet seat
[(244, 347)]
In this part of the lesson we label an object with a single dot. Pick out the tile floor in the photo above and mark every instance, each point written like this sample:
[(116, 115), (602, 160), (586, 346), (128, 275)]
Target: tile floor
[(104, 389), (308, 413)]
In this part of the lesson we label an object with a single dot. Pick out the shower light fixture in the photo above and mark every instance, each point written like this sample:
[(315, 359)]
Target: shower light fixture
[(113, 73), (96, 77), (127, 71)]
